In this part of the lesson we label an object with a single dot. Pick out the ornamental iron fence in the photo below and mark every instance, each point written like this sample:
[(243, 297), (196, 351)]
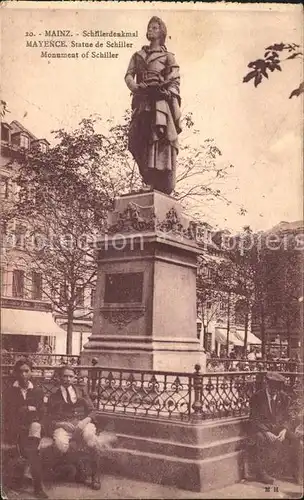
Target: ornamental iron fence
[(163, 395), (228, 364), (39, 358)]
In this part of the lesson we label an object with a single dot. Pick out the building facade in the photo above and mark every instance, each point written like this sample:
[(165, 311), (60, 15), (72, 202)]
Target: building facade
[(281, 318), (28, 319), (223, 319)]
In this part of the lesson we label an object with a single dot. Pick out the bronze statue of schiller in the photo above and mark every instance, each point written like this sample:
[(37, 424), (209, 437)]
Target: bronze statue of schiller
[(153, 78)]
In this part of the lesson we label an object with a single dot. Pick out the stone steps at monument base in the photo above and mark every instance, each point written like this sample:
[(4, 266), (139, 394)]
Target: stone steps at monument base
[(196, 456), (173, 430), (179, 449), (189, 474)]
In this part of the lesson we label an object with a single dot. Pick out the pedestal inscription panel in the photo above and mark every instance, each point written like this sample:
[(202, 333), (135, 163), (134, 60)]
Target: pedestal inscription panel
[(123, 288)]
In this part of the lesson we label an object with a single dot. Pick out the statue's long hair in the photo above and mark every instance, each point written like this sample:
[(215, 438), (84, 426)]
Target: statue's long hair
[(163, 28)]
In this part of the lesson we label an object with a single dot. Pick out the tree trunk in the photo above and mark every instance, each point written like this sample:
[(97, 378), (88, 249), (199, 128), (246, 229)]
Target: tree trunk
[(246, 331), (228, 323), (203, 328), (69, 332), (205, 337), (301, 335), (288, 333), (263, 330)]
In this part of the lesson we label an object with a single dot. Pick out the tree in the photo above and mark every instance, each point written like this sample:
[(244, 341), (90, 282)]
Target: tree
[(283, 262), (241, 252), (63, 202), (66, 192), (3, 108), (208, 292), (272, 60), (220, 283), (268, 266)]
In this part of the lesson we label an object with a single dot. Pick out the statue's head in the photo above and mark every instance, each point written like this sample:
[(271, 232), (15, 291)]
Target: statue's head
[(157, 30)]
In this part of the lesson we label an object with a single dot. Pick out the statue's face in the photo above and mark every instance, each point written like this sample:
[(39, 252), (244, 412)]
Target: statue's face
[(154, 31)]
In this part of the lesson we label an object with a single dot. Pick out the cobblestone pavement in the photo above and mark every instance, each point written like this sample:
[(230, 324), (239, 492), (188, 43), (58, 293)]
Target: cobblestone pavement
[(114, 487)]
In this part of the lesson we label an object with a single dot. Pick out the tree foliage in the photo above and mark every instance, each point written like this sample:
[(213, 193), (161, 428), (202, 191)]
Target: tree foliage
[(272, 61), (260, 269), (3, 108), (224, 280)]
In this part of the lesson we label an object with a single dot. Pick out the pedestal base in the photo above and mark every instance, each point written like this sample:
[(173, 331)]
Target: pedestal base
[(160, 360), (145, 311)]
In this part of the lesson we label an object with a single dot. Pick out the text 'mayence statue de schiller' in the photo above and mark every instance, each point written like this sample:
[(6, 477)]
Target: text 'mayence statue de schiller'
[(153, 78)]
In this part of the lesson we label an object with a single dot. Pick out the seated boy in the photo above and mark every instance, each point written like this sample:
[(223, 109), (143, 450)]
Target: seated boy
[(23, 411), (72, 415)]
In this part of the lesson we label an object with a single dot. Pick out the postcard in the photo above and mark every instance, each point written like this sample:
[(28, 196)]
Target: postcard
[(151, 250)]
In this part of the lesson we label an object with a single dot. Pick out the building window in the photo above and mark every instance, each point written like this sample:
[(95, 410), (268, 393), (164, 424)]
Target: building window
[(3, 234), (18, 283), (80, 296), (20, 231), (24, 141), (223, 305), (36, 286), (4, 187), (2, 281), (5, 133), (43, 147), (209, 304), (93, 297)]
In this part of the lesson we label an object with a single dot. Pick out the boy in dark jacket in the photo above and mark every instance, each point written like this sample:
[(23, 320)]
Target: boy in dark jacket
[(23, 411), (71, 413)]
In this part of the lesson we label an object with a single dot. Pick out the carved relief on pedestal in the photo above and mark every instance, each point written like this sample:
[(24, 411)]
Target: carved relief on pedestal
[(142, 218), (133, 218), (122, 317), (173, 224)]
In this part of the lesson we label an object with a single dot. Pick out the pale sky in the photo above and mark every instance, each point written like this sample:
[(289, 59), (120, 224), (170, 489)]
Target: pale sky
[(258, 130)]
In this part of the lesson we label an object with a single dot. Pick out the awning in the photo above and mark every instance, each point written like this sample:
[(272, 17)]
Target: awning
[(22, 322), (235, 339), (78, 326), (221, 337), (251, 338)]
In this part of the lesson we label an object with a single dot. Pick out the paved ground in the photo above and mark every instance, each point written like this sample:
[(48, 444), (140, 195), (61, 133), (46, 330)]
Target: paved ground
[(114, 487)]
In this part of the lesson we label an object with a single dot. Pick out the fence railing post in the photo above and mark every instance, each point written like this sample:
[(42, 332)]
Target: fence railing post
[(198, 393)]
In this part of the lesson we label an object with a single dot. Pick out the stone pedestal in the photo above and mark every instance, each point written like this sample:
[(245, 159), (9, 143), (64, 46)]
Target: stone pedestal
[(196, 457), (145, 309)]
